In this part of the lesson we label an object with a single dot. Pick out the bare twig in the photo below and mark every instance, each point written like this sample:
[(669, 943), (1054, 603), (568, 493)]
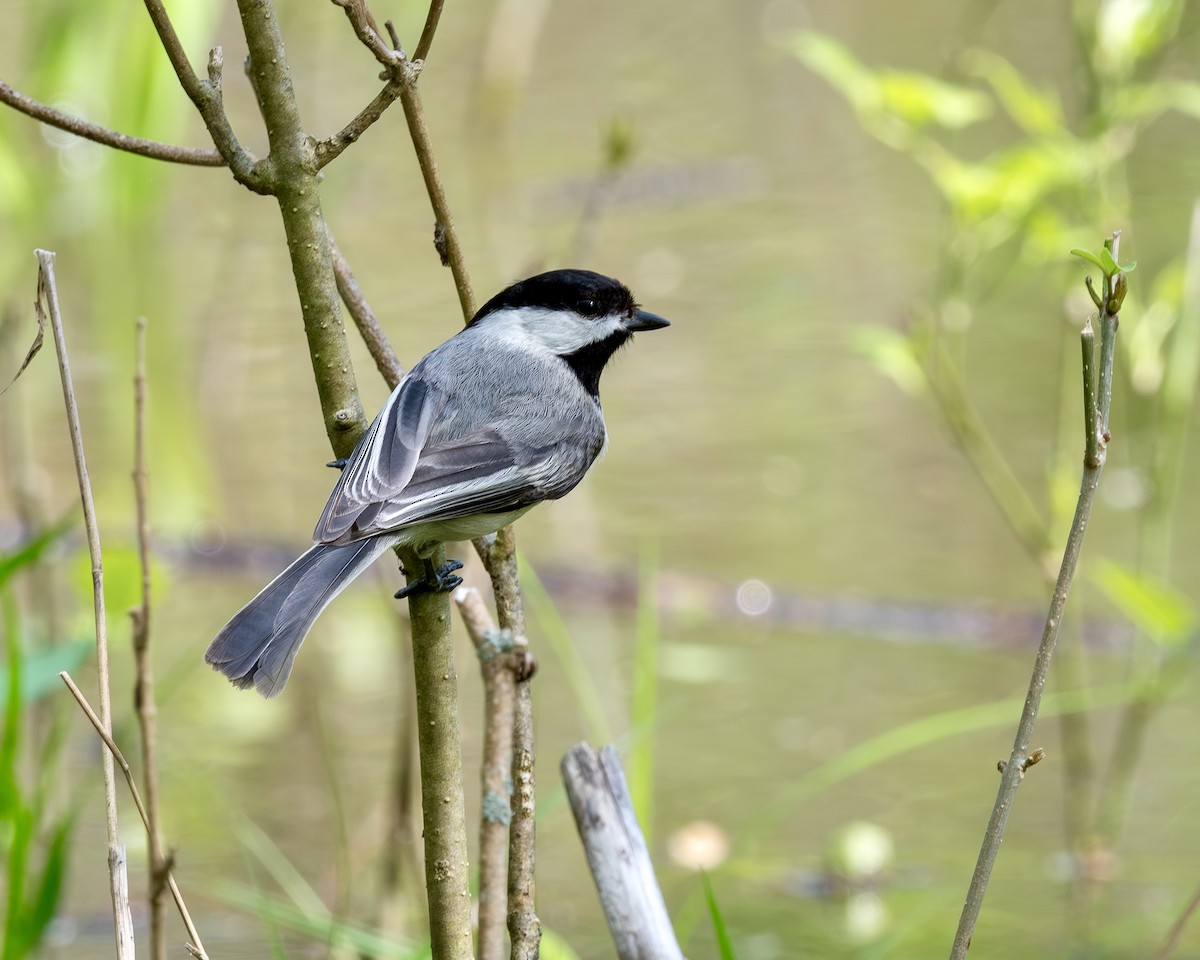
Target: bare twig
[(386, 361), (333, 147), (524, 927), (367, 31), (617, 855), (195, 156), (427, 32), (392, 58), (495, 649), (399, 71), (143, 696), (47, 302), (1021, 756), (209, 101), (499, 556), (195, 947), (410, 99)]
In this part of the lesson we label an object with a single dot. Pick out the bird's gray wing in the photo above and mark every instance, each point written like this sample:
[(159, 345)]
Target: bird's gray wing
[(383, 463), (483, 472)]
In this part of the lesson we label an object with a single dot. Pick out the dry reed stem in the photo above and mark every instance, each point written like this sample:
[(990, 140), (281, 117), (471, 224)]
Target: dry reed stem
[(195, 947), (47, 302)]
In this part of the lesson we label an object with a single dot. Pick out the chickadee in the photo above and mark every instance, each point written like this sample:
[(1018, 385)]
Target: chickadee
[(501, 416)]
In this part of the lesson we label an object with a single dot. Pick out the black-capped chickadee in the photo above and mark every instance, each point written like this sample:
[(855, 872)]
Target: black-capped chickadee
[(501, 416)]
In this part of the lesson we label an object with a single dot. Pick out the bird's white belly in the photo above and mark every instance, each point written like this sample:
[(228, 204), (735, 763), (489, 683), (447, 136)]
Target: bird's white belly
[(424, 537)]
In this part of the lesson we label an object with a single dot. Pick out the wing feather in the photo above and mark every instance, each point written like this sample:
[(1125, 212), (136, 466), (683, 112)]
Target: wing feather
[(383, 462)]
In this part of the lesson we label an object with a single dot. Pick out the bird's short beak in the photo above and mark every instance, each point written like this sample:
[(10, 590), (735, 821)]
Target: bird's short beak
[(645, 320)]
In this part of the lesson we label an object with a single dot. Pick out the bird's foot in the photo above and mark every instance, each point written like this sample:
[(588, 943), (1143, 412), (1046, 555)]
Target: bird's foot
[(339, 463), (439, 580)]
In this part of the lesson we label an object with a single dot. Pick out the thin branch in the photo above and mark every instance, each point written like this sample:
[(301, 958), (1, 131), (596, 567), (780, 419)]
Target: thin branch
[(445, 236), (1014, 768), (195, 947), (47, 302), (367, 30), (524, 927), (209, 101), (399, 70), (386, 361), (499, 556), (430, 28), (143, 696), (495, 649), (195, 156), (332, 147)]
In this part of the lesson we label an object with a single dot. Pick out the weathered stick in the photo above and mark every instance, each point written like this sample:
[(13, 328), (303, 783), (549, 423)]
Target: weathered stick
[(617, 855)]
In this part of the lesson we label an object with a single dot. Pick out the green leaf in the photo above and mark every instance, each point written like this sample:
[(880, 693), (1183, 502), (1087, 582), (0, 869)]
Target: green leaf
[(921, 100), (1089, 256), (30, 552), (1157, 610), (1128, 31), (834, 63), (724, 944), (319, 926), (1107, 263), (554, 947), (39, 670), (1129, 267), (1036, 112), (45, 902), (891, 353)]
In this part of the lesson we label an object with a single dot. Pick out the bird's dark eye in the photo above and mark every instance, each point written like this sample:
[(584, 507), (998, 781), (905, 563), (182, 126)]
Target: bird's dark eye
[(586, 307)]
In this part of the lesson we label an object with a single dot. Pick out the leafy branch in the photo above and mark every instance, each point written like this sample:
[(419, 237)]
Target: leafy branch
[(1097, 400)]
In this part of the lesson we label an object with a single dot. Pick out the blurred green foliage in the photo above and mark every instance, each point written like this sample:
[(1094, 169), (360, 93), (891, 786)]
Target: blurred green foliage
[(1022, 181), (33, 833)]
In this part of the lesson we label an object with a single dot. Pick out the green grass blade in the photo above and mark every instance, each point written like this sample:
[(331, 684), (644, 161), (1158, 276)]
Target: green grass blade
[(318, 925), (921, 733), (724, 944), (639, 762), (558, 637)]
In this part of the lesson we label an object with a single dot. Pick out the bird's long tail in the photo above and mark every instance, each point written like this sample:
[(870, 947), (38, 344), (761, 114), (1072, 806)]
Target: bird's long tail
[(257, 647)]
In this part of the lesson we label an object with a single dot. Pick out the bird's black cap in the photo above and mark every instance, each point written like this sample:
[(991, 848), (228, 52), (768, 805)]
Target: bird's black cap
[(583, 291)]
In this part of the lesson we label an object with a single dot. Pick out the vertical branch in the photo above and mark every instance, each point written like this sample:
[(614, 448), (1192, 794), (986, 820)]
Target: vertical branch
[(445, 236), (143, 695), (493, 647), (443, 807), (47, 293), (499, 555), (293, 177), (1021, 757)]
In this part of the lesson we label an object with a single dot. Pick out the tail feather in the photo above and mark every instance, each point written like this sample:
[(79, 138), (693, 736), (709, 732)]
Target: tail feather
[(259, 644)]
